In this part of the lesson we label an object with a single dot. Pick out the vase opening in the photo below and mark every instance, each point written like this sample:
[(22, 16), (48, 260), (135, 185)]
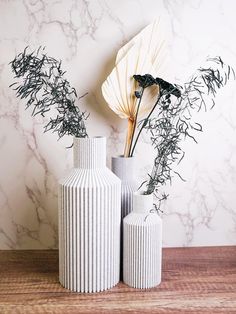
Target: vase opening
[(124, 167), (142, 203)]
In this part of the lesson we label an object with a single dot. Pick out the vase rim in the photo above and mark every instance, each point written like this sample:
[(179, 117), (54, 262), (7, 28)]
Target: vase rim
[(122, 157), (90, 137), (143, 203)]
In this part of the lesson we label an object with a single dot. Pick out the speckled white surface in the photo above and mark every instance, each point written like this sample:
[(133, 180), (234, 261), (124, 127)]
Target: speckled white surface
[(86, 35)]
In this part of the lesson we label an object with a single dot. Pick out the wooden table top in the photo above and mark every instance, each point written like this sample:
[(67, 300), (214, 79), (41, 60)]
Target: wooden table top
[(195, 280)]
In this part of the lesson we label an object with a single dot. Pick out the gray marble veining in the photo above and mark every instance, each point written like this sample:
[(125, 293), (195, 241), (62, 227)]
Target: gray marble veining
[(86, 35)]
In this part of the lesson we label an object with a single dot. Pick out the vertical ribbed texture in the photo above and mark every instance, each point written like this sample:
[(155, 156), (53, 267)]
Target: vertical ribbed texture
[(89, 153), (142, 247), (124, 169), (89, 221)]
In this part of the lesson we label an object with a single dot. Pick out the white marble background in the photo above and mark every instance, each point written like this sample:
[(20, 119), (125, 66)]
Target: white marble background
[(86, 35)]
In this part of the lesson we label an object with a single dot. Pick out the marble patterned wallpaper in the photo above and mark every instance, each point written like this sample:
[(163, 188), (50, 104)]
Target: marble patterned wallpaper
[(86, 35)]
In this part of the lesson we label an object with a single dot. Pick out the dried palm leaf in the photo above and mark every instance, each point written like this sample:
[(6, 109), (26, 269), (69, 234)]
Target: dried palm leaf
[(153, 41), (141, 55)]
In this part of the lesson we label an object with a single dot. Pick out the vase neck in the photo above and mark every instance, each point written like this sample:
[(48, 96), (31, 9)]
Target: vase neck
[(90, 153), (142, 203), (123, 167)]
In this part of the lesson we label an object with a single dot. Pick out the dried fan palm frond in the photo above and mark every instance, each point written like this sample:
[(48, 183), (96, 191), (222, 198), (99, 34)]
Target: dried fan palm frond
[(119, 87), (141, 55), (153, 40)]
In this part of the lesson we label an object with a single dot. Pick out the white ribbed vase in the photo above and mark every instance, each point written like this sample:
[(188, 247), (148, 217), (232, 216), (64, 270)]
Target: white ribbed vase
[(142, 244), (124, 169), (89, 220)]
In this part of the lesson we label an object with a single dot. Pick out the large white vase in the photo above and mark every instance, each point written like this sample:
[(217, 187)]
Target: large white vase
[(142, 244), (89, 220), (124, 168)]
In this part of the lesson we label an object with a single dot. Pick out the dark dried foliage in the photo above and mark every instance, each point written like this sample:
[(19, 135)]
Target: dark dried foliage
[(171, 122), (40, 80)]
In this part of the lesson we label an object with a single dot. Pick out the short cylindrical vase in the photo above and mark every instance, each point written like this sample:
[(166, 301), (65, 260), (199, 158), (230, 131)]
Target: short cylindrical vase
[(89, 220), (142, 244)]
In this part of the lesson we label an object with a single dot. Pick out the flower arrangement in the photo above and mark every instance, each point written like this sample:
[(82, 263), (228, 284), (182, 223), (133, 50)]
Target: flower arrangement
[(164, 110), (92, 200), (143, 54), (134, 92)]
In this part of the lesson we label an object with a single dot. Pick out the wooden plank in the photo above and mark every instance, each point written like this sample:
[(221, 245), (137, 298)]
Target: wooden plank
[(195, 280)]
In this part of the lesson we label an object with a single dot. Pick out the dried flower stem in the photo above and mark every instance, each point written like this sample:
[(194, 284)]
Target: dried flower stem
[(130, 130), (135, 123), (143, 125)]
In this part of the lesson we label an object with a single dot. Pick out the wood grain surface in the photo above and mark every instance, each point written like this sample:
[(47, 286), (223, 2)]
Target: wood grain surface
[(195, 280)]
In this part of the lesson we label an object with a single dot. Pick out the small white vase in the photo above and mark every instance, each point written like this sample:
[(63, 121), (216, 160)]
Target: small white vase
[(142, 244), (89, 220), (124, 168)]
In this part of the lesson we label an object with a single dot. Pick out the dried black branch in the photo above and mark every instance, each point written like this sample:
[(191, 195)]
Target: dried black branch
[(41, 81), (171, 121)]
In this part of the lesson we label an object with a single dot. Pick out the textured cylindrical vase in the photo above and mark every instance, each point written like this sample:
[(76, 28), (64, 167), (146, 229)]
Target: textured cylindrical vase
[(142, 244), (124, 168), (89, 220)]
